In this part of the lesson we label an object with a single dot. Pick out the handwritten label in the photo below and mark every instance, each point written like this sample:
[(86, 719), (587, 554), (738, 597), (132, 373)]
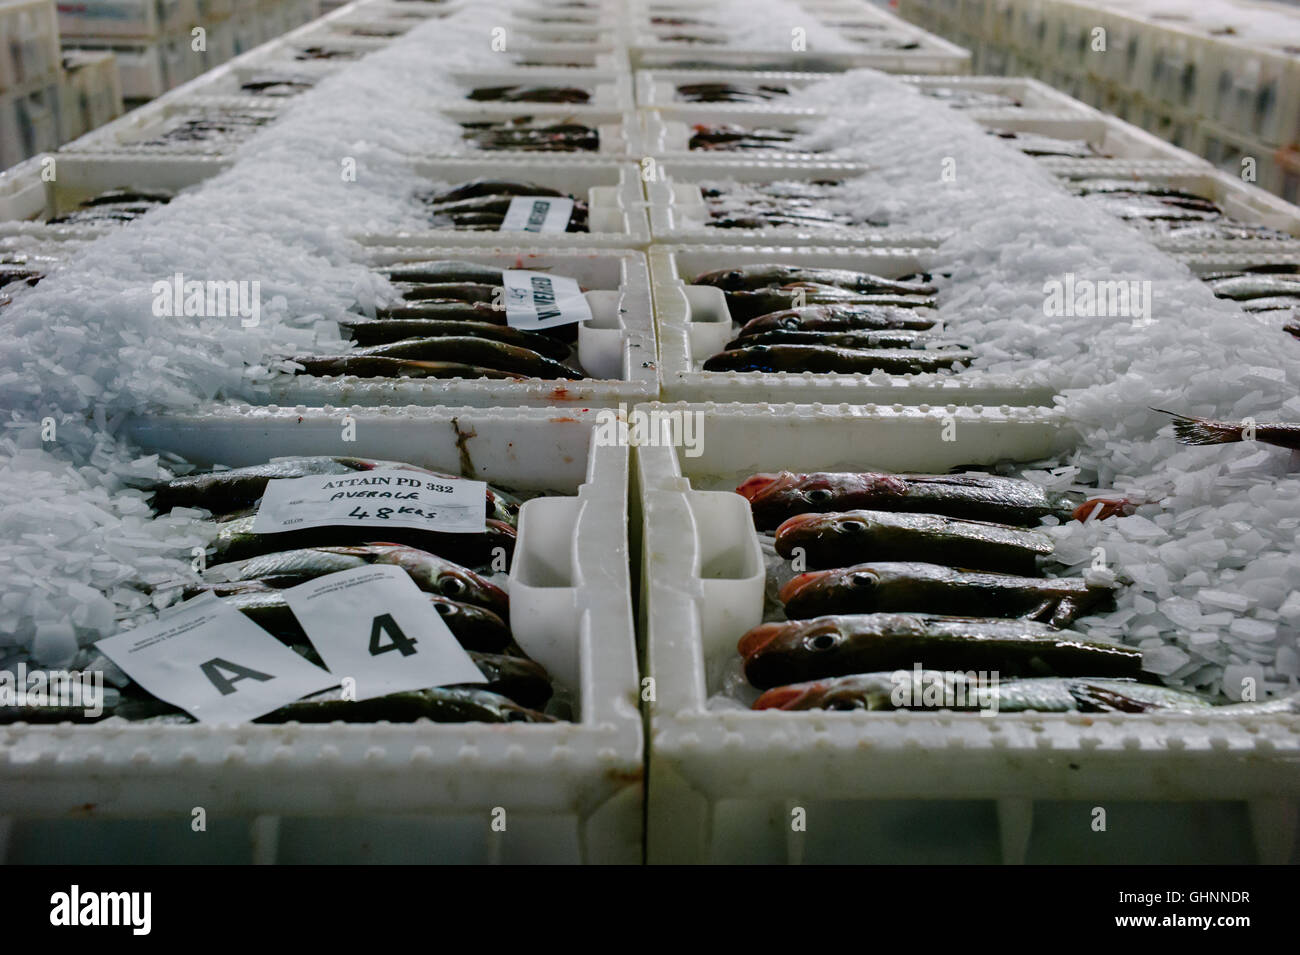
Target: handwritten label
[(537, 214), (384, 497), (374, 625), (207, 658), (539, 300)]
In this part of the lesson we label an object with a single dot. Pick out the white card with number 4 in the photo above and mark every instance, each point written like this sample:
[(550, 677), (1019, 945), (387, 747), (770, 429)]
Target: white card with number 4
[(374, 625)]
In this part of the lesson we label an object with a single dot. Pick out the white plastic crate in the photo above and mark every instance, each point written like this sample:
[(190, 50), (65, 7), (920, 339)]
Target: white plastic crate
[(678, 213), (90, 93), (936, 55), (694, 323), (29, 43), (612, 190), (141, 67), (1111, 136), (571, 792), (618, 130), (607, 89), (128, 19), (26, 195), (1238, 199), (666, 131), (724, 785), (29, 123), (617, 347), (135, 132)]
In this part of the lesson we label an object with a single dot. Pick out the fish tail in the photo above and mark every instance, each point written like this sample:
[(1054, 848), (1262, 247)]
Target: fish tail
[(1201, 431)]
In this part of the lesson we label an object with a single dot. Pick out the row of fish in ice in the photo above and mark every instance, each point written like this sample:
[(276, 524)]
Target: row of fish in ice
[(762, 94), (803, 319), (1164, 209), (482, 204), (251, 570), (447, 323), (779, 204), (1268, 291), (934, 579), (531, 134)]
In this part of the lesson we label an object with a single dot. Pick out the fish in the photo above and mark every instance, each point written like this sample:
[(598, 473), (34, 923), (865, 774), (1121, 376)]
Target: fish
[(851, 537), (864, 339), (432, 574), (443, 312), (530, 94), (521, 680), (838, 318), (729, 92), (379, 367), (832, 360), (730, 137), (753, 277), (262, 601), (374, 332), (445, 270), (1244, 287), (1271, 303), (914, 586), (462, 349), (236, 540), (44, 714), (222, 492), (449, 292), (774, 498), (778, 654), (471, 350), (746, 305), (1203, 431), (912, 689), (437, 704), (526, 137)]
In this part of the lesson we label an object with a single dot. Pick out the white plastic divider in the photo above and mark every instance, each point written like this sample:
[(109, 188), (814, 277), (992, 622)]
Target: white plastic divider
[(616, 214), (617, 347), (694, 323), (28, 193), (935, 55), (925, 786), (1241, 200), (678, 213), (571, 792)]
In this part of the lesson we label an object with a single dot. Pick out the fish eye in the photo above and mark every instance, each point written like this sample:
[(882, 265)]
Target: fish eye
[(818, 495), (846, 705), (826, 640), (862, 580), (853, 526), (451, 586), (515, 716), (445, 610)]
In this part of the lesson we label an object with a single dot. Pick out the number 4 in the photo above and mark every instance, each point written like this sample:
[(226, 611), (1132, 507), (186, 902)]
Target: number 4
[(399, 641)]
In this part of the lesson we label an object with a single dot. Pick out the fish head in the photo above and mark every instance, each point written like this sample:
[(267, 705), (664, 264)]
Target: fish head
[(830, 588), (807, 528), (780, 653), (864, 691)]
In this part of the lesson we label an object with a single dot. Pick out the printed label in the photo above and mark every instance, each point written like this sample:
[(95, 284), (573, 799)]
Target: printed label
[(374, 625), (384, 497), (214, 663), (538, 300), (537, 214)]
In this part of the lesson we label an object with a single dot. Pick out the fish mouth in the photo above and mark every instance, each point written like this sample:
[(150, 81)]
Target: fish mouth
[(797, 585), (757, 638), (783, 697), (793, 524), (754, 487)]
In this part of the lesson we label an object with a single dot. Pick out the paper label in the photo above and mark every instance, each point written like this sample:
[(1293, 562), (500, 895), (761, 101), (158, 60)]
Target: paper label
[(373, 625), (384, 497), (214, 663), (537, 214), (540, 300)]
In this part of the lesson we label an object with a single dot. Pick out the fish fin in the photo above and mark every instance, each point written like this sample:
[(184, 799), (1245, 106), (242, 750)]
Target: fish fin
[(1096, 699), (1292, 329), (1043, 611), (1200, 431), (1065, 611)]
